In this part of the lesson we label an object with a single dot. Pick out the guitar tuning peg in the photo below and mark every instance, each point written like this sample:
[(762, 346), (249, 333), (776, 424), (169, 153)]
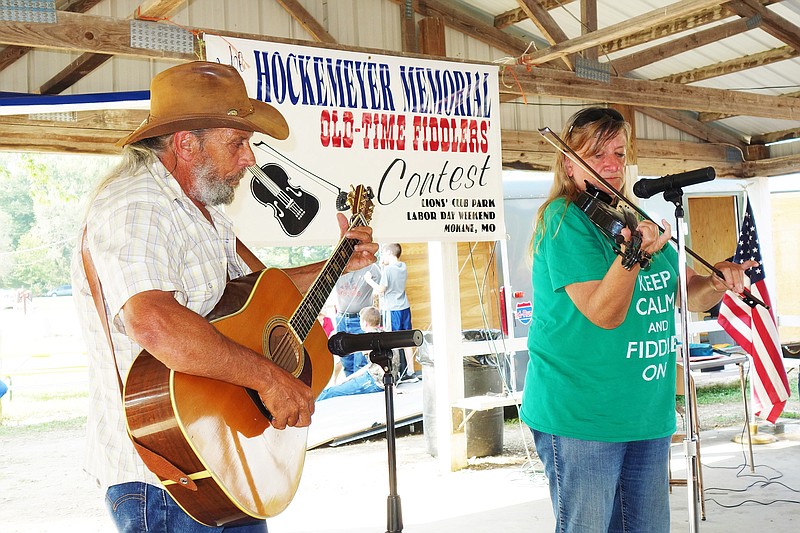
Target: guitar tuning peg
[(341, 201)]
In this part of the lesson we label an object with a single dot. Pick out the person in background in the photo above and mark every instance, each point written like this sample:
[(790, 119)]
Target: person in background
[(352, 294), (368, 378), (394, 302), (163, 252), (599, 400)]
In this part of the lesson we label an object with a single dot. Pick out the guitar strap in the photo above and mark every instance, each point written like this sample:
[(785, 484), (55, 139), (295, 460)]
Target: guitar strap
[(157, 464)]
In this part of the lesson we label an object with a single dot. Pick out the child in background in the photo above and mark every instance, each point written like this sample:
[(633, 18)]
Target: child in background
[(368, 378)]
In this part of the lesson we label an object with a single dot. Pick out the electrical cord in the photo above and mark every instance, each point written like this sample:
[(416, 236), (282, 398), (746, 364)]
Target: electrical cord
[(762, 481)]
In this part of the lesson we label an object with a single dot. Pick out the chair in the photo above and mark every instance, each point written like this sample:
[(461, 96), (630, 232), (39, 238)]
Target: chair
[(680, 436)]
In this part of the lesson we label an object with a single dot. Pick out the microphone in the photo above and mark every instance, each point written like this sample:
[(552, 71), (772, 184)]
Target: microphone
[(646, 188), (347, 343)]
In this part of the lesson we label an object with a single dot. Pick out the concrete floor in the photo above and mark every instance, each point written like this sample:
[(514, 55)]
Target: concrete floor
[(500, 494), (503, 493)]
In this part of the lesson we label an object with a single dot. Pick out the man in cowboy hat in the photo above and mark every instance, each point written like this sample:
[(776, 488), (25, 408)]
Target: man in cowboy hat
[(163, 252)]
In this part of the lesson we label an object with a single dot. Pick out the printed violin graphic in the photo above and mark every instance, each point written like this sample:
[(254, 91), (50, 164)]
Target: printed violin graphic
[(293, 208)]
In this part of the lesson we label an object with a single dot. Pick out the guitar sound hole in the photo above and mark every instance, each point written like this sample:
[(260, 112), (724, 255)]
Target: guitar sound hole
[(284, 349)]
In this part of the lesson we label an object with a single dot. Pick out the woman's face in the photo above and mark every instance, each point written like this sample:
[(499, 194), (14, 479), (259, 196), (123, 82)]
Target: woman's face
[(608, 160)]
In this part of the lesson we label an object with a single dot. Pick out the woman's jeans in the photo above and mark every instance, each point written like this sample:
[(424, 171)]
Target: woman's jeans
[(607, 486), (139, 507)]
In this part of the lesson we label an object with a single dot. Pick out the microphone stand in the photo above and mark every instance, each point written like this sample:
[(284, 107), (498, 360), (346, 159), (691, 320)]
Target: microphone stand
[(394, 515), (675, 196)]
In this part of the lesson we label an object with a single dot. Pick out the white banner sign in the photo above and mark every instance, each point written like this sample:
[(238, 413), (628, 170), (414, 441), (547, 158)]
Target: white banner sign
[(423, 134)]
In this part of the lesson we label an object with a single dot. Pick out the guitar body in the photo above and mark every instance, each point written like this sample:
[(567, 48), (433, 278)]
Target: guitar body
[(213, 431)]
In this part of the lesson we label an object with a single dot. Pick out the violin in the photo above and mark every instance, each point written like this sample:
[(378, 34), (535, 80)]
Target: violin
[(597, 206), (746, 296)]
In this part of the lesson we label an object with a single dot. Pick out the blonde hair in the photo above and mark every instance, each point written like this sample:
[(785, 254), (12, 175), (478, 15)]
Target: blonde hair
[(370, 316), (585, 131)]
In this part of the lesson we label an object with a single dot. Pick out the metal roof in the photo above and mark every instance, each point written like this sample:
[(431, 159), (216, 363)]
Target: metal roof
[(474, 31)]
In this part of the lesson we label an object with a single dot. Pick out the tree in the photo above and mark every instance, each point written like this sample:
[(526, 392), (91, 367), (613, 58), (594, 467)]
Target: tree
[(43, 198), (15, 199)]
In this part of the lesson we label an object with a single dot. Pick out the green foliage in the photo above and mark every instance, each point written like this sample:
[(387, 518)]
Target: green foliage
[(16, 203), (719, 393), (41, 204), (41, 211), (292, 256)]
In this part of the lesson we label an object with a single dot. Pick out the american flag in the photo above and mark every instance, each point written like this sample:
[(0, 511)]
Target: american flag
[(755, 330)]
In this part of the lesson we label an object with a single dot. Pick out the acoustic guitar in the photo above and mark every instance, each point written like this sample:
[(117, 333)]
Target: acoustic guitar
[(210, 442)]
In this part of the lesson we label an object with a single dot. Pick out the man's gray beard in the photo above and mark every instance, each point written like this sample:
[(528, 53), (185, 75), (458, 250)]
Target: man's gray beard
[(208, 188)]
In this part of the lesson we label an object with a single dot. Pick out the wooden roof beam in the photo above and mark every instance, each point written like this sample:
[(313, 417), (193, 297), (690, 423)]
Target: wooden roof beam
[(734, 65), (472, 26), (776, 136), (110, 36), (775, 25), (677, 46), (527, 150), (588, 25), (551, 31), (552, 82), (88, 62), (616, 31), (12, 53), (687, 124), (307, 21), (511, 17)]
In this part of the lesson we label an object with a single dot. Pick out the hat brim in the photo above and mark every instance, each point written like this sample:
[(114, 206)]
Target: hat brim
[(264, 119)]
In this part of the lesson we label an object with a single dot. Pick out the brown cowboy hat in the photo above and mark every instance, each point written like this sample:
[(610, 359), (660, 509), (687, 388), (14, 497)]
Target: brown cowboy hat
[(203, 94)]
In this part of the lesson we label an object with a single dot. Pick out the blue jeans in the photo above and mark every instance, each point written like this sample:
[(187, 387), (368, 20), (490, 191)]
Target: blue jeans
[(400, 320), (607, 486), (362, 384), (353, 361), (139, 507)]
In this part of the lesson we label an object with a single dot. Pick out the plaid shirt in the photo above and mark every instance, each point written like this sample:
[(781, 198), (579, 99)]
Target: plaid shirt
[(144, 234)]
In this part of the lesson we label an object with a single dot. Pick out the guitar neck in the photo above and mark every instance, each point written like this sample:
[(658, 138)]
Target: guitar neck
[(307, 312)]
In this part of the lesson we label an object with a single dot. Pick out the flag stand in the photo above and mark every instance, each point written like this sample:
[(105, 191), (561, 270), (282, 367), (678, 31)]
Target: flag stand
[(754, 437), (751, 427), (690, 442)]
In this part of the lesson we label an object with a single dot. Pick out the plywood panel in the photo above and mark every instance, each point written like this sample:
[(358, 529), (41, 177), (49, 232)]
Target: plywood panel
[(713, 229), (785, 238), (480, 266)]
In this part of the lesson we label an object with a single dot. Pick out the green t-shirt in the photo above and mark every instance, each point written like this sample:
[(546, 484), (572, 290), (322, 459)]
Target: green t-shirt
[(584, 381)]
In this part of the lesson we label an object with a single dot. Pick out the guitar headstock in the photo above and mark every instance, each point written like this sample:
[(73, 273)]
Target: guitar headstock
[(360, 201)]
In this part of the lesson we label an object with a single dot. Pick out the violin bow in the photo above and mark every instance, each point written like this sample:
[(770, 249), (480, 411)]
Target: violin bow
[(559, 144)]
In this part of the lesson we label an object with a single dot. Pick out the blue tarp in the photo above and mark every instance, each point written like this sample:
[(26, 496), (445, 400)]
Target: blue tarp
[(21, 103)]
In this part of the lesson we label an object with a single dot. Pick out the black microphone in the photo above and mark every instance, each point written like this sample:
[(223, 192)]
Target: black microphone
[(646, 188), (347, 343)]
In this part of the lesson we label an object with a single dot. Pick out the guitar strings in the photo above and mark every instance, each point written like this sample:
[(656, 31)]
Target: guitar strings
[(287, 347)]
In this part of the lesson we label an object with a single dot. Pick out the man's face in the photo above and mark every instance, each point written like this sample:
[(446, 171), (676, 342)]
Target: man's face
[(221, 164)]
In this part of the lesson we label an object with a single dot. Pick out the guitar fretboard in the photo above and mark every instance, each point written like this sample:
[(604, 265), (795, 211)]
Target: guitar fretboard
[(306, 314)]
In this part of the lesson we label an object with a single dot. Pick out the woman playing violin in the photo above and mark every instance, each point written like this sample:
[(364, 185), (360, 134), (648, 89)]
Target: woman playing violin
[(600, 386)]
